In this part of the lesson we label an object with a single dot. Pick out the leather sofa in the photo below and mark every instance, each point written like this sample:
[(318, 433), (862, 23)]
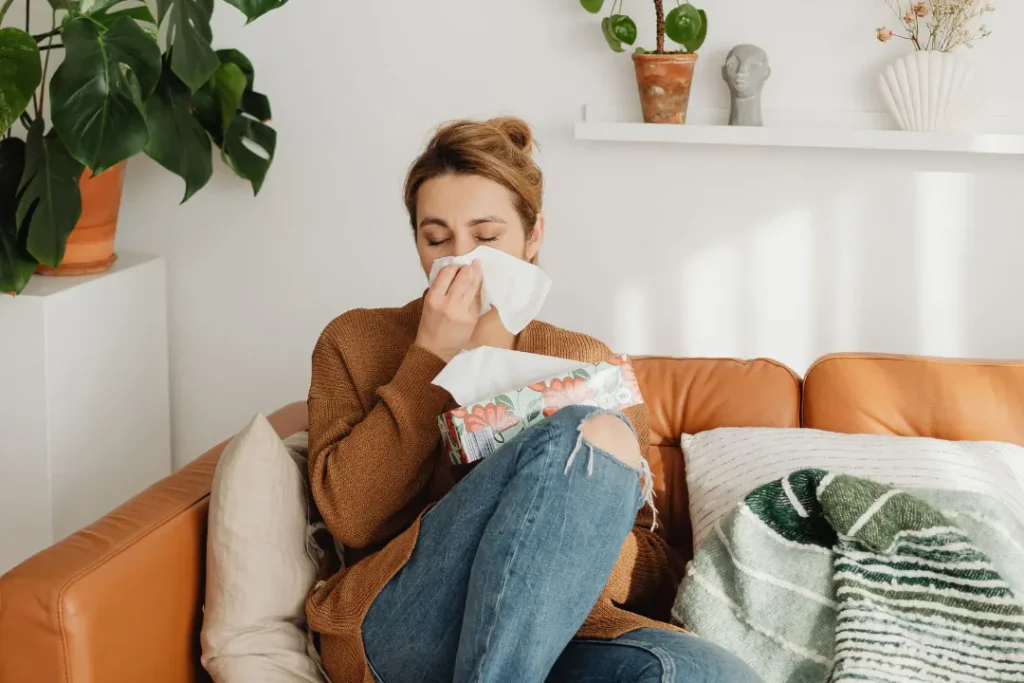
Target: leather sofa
[(121, 600)]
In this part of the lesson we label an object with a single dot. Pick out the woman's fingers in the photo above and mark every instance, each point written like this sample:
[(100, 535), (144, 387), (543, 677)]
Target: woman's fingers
[(466, 285), (444, 280)]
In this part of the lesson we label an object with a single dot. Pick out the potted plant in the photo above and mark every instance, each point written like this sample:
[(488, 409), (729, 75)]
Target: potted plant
[(663, 76), (928, 89), (130, 82)]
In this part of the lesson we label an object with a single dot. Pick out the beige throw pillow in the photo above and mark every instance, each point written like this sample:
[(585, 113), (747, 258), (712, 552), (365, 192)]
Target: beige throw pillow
[(258, 569)]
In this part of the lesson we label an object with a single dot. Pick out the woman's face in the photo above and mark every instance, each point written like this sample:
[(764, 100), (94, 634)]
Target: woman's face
[(455, 214)]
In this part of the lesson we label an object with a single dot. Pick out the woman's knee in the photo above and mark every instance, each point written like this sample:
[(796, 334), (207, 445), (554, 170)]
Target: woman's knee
[(607, 432), (611, 435)]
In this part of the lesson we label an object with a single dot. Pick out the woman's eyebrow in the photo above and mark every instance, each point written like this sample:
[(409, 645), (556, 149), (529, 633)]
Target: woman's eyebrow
[(431, 220), (486, 219)]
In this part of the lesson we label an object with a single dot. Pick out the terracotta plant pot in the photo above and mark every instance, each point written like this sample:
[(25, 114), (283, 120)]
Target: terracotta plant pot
[(90, 247), (664, 83)]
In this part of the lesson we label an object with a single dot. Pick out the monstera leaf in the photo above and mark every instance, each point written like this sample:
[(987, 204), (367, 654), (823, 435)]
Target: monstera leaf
[(16, 266), (176, 139), (140, 13), (50, 202), (238, 124), (254, 103), (20, 74), (188, 38), (95, 6), (254, 9), (96, 106), (248, 149), (220, 99)]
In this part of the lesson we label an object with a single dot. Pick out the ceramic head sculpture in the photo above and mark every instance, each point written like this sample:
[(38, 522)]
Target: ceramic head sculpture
[(746, 69)]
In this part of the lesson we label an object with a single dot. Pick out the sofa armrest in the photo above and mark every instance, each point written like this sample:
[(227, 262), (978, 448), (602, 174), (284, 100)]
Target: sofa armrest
[(121, 600)]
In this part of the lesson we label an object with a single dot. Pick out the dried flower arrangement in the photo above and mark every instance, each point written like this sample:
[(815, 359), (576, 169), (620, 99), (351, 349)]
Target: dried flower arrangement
[(939, 25)]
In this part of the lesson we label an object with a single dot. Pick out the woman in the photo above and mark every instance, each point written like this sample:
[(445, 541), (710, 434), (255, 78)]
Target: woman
[(535, 565)]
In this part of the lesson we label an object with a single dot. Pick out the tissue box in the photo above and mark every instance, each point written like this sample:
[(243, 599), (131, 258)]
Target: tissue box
[(476, 431)]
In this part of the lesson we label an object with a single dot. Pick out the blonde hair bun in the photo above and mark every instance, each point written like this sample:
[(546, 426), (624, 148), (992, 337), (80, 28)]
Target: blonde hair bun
[(516, 130)]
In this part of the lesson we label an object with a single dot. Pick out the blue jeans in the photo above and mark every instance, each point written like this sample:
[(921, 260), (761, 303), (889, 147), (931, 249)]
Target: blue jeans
[(507, 567)]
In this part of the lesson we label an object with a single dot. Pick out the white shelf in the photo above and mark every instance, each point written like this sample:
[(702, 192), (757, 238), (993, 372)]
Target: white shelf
[(855, 131), (85, 406)]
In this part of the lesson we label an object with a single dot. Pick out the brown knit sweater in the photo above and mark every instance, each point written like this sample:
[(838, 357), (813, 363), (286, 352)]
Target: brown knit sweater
[(376, 463)]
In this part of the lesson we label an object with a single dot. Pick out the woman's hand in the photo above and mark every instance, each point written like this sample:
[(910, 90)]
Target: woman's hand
[(451, 310)]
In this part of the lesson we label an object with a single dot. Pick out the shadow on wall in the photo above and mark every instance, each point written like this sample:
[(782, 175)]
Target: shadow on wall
[(907, 258)]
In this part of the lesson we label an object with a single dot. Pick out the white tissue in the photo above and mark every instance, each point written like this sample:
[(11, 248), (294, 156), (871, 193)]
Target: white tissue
[(482, 373), (516, 288)]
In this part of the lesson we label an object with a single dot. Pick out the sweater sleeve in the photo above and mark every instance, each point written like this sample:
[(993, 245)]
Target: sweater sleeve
[(366, 466), (645, 577)]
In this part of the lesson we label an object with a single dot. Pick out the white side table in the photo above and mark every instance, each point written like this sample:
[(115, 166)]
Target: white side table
[(84, 400)]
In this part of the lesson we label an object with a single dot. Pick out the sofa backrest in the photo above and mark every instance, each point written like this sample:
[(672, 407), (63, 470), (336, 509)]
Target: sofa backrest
[(956, 400)]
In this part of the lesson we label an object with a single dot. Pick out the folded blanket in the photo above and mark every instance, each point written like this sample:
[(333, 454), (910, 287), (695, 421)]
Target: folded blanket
[(823, 577)]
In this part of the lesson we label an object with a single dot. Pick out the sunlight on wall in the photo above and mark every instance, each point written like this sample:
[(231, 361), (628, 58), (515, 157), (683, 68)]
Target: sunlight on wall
[(710, 302), (845, 264), (942, 216), (632, 322), (780, 284), (755, 296)]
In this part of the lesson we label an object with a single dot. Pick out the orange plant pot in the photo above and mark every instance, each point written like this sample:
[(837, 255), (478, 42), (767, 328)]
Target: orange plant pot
[(90, 246), (664, 83)]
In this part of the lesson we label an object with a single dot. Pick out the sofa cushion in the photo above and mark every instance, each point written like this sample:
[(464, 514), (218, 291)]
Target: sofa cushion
[(915, 396), (258, 566)]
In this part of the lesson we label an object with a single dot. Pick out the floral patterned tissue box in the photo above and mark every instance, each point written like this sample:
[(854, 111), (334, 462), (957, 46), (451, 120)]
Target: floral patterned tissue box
[(474, 432)]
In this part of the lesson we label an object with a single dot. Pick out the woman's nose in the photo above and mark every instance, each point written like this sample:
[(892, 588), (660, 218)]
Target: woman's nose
[(464, 245)]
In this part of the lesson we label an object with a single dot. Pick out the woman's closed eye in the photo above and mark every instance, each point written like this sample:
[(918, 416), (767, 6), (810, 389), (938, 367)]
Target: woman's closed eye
[(438, 241)]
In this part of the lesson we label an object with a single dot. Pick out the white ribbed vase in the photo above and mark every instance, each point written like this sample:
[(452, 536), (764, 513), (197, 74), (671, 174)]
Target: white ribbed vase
[(928, 90)]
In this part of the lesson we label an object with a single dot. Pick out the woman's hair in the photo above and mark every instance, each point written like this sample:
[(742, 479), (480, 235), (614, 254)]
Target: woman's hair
[(500, 149)]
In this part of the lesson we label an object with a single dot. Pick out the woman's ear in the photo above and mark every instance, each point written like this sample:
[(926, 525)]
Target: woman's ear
[(536, 240)]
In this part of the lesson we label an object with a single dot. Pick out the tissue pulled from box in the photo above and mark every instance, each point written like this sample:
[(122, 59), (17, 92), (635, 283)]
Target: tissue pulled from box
[(516, 288), (529, 392), (486, 371)]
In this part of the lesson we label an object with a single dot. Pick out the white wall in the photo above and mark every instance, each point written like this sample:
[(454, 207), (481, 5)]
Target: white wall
[(690, 251)]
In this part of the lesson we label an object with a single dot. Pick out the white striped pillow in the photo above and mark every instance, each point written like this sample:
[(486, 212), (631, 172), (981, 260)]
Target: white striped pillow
[(723, 465)]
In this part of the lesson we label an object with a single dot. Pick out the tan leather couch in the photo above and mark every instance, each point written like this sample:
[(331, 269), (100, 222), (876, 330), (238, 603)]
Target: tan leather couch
[(121, 601)]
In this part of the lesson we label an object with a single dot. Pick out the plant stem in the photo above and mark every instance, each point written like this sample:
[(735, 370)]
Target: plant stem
[(28, 29), (659, 10), (44, 48), (46, 62), (917, 28), (43, 36)]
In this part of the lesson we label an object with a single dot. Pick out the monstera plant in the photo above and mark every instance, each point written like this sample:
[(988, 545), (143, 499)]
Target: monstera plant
[(130, 80), (663, 75)]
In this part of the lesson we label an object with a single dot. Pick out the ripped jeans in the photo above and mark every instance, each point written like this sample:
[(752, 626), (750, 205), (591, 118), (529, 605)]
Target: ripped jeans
[(509, 564)]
